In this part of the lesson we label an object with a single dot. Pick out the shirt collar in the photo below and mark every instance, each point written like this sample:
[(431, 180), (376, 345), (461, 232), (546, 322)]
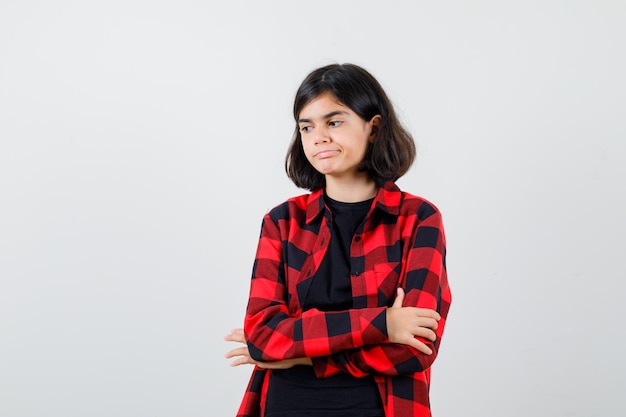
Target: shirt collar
[(387, 199)]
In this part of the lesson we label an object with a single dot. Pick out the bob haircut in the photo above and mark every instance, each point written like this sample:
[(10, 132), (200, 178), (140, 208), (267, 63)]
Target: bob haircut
[(387, 158)]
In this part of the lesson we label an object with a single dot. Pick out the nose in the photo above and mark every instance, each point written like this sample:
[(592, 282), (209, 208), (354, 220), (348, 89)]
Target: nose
[(321, 135)]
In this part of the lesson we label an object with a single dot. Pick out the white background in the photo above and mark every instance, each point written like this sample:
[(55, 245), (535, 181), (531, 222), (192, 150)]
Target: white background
[(141, 142)]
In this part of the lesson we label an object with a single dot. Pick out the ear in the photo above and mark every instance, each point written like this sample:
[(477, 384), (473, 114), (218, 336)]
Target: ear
[(374, 126)]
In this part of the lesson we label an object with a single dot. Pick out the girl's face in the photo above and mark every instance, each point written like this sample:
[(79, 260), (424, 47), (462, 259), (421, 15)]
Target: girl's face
[(334, 137)]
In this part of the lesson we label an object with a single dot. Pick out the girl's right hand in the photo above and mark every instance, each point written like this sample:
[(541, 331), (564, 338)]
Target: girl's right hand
[(405, 323), (242, 354)]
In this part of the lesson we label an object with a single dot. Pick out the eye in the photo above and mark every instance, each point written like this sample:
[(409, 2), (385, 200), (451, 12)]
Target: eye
[(305, 128), (335, 123)]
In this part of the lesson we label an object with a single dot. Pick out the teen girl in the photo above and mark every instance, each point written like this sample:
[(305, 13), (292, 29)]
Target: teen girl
[(349, 293)]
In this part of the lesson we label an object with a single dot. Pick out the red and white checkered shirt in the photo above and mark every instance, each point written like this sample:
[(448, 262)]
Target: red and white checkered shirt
[(401, 243)]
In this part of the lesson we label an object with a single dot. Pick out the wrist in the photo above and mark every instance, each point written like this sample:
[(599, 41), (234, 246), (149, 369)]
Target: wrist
[(305, 361)]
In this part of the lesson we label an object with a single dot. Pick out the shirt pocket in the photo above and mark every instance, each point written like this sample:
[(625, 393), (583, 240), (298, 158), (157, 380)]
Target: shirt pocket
[(387, 277)]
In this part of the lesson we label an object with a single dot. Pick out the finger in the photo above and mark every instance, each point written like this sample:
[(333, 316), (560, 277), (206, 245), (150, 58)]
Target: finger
[(238, 332), (421, 346), (236, 335), (428, 323), (243, 360), (241, 351), (425, 333), (427, 312), (234, 338), (397, 303)]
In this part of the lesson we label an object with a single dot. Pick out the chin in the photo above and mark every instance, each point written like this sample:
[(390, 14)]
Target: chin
[(323, 170)]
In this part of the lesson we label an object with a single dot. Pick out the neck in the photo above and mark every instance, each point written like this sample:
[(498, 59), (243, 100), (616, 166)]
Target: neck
[(351, 191)]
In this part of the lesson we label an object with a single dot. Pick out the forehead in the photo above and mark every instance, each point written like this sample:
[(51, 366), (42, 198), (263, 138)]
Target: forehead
[(321, 105)]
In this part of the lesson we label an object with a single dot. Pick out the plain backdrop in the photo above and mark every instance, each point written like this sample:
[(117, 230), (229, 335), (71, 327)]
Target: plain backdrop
[(141, 142)]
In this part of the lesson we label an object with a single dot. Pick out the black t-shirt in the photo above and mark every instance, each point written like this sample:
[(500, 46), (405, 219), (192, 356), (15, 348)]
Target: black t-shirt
[(297, 390)]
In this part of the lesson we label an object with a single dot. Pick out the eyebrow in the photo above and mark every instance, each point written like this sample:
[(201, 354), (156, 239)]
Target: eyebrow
[(326, 116)]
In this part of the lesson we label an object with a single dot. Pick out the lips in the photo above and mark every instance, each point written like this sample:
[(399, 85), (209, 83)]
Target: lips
[(326, 154)]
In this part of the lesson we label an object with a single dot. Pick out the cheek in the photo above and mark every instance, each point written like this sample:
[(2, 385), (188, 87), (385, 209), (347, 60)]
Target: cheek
[(360, 149)]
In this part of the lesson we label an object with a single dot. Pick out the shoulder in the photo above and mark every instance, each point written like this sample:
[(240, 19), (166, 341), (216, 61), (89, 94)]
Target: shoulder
[(293, 207), (406, 204), (416, 205)]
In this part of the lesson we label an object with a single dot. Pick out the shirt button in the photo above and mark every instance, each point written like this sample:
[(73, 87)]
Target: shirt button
[(357, 238)]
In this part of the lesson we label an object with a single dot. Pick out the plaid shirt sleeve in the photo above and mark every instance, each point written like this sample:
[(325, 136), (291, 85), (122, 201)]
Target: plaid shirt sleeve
[(276, 329), (425, 282)]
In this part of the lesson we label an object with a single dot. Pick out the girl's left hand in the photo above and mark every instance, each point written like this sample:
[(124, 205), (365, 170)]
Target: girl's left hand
[(243, 355)]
